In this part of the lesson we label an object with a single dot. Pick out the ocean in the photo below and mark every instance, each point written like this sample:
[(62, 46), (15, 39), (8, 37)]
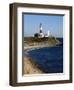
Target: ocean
[(49, 59)]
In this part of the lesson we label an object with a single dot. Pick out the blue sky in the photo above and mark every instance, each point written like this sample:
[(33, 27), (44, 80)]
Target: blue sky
[(53, 23)]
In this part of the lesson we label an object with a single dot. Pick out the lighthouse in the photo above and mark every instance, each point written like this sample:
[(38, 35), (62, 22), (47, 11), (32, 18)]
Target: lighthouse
[(41, 35), (40, 27)]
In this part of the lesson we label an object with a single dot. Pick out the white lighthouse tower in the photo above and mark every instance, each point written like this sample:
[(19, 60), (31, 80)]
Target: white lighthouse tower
[(41, 35), (40, 27)]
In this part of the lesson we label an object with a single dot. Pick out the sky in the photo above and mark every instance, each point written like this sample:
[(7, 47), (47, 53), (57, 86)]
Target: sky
[(53, 23)]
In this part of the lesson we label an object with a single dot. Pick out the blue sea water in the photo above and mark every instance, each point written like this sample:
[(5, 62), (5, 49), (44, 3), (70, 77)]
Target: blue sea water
[(49, 59)]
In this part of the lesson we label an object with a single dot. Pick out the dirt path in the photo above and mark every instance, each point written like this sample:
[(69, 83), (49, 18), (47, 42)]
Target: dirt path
[(30, 67)]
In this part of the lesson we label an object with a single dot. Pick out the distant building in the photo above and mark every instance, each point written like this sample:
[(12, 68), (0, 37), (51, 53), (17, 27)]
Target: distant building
[(48, 34), (36, 35)]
